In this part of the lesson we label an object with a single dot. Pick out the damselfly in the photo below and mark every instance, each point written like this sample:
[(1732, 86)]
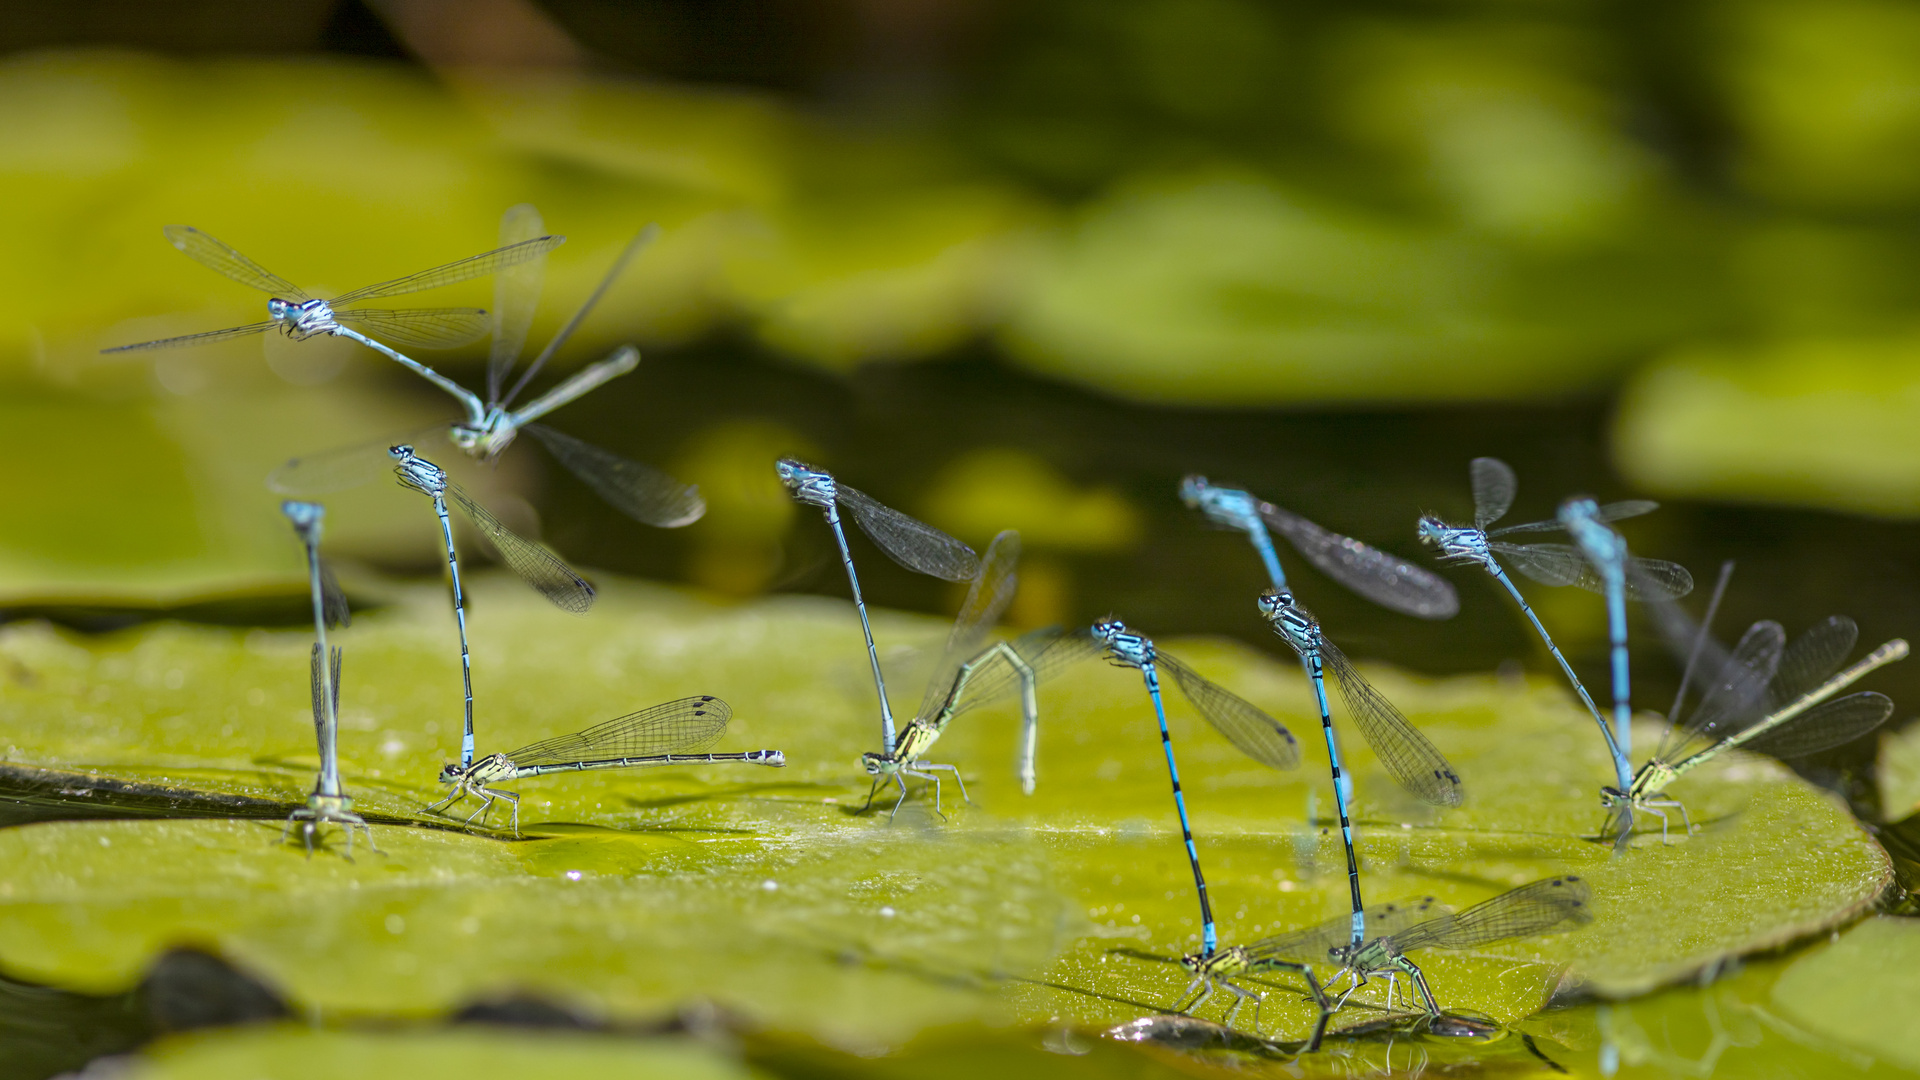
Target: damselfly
[(329, 801), (1391, 582), (1541, 907), (1620, 578), (913, 544), (640, 491), (1412, 759), (1765, 696), (964, 660), (537, 566), (1253, 732), (299, 315), (1494, 486), (674, 733)]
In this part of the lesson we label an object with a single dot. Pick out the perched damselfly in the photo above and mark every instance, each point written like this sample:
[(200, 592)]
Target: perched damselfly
[(329, 801), (1253, 732), (537, 566), (1766, 696), (674, 733), (1412, 759), (1620, 578), (912, 543), (960, 665)]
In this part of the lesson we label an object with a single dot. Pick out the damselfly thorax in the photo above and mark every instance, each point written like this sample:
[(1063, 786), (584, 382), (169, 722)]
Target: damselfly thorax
[(1456, 543), (300, 320), (484, 771), (1291, 621), (1124, 647), (417, 472), (810, 486), (915, 739), (1224, 964)]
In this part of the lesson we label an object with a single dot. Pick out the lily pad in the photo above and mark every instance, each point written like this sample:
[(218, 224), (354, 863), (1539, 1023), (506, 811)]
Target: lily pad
[(1732, 1022), (1854, 990), (290, 1053), (766, 892)]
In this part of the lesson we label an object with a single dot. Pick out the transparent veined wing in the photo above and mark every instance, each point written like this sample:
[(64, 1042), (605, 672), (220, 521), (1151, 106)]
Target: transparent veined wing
[(1563, 564), (1613, 511), (687, 726), (1626, 508), (537, 566), (1824, 727), (344, 467), (516, 295), (333, 599), (217, 256), (1391, 582), (912, 543), (1812, 657), (1734, 685), (641, 492), (1549, 564), (1656, 579), (1536, 908), (1313, 944), (207, 338), (425, 328), (472, 266), (634, 247), (1409, 756), (318, 688), (1494, 486), (986, 600), (1045, 652), (1252, 731)]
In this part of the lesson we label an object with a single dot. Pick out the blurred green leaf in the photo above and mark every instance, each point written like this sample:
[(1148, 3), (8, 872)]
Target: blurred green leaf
[(1220, 288), (1826, 95), (290, 1052), (1897, 772), (1707, 422), (1852, 990)]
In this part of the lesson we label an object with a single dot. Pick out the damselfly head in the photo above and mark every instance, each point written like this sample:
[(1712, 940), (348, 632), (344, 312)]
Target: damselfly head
[(1194, 962), (1193, 490), (1430, 530), (1579, 508), (278, 308), (305, 517), (875, 764), (1274, 603), (1108, 628), (452, 773)]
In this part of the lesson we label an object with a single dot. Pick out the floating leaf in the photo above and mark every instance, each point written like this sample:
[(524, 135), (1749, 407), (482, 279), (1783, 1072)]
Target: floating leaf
[(763, 890)]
